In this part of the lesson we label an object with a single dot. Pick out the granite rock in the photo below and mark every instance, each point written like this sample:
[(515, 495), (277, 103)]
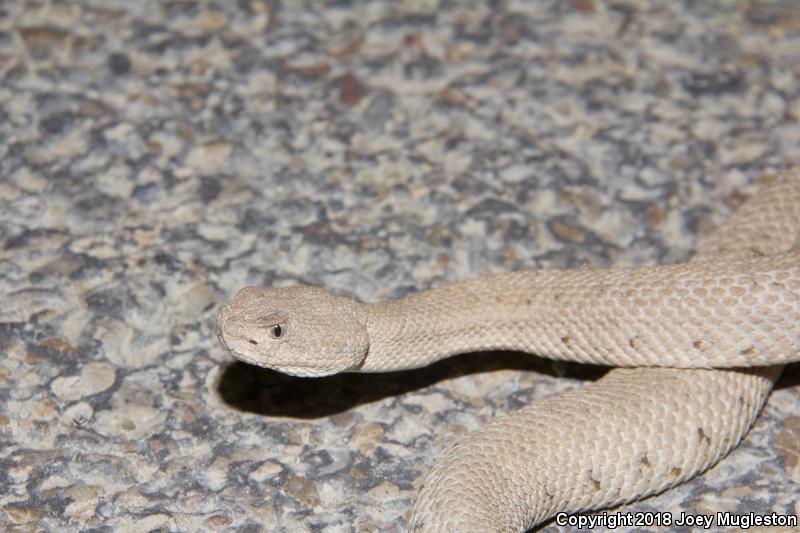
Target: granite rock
[(156, 156)]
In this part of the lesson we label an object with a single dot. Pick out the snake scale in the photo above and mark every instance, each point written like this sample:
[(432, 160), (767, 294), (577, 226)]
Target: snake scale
[(699, 346)]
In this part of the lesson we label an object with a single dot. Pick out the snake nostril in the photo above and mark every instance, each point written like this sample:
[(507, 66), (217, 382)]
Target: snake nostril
[(251, 341)]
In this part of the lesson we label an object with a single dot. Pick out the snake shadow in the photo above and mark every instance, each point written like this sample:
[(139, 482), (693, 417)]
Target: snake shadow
[(257, 390), (262, 391), (790, 378)]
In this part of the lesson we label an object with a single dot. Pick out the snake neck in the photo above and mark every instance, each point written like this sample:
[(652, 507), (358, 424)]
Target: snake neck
[(497, 312), (693, 315), (437, 323)]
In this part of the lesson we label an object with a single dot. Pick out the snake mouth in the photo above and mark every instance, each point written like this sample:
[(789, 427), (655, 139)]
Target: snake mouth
[(298, 371), (304, 372)]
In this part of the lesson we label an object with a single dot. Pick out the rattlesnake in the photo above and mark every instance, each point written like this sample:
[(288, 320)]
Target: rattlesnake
[(695, 336)]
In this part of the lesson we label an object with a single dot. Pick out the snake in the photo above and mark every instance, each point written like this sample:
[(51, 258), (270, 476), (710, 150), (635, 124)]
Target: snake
[(696, 348)]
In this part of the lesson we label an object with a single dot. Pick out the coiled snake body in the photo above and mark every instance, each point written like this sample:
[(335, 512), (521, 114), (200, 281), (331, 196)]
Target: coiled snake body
[(703, 341)]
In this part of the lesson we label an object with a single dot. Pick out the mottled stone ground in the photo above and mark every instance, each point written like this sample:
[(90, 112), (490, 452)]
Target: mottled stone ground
[(156, 156)]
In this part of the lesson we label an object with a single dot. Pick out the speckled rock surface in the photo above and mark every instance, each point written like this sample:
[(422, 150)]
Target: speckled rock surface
[(156, 156)]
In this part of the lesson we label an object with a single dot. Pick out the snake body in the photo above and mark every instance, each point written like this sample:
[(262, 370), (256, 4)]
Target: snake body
[(704, 342)]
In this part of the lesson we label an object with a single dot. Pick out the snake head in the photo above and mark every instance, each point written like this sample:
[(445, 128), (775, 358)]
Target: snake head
[(299, 330)]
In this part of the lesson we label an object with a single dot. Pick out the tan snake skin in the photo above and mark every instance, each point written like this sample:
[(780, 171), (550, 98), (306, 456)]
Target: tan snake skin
[(632, 433)]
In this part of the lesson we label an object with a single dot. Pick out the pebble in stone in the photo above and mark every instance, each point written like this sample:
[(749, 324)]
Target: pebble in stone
[(93, 378)]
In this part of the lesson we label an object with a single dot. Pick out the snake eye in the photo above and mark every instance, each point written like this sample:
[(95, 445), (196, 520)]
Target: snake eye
[(277, 330)]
